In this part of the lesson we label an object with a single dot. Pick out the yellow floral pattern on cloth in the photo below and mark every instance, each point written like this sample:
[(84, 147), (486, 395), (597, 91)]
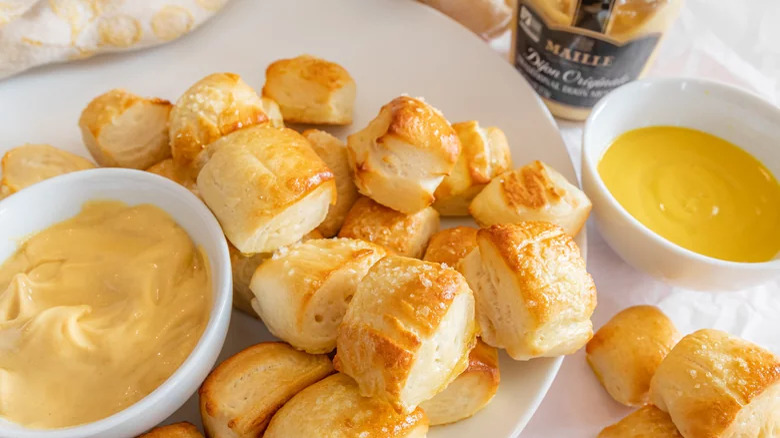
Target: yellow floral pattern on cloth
[(11, 9), (119, 31), (37, 32), (171, 22)]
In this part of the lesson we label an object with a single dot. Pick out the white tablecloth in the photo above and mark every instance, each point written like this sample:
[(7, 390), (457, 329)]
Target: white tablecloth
[(734, 42)]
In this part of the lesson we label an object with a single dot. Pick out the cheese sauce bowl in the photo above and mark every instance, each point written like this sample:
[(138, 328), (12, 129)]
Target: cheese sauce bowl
[(50, 202), (731, 114)]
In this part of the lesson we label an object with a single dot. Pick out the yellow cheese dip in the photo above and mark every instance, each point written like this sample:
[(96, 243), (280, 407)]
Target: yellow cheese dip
[(96, 312), (696, 190)]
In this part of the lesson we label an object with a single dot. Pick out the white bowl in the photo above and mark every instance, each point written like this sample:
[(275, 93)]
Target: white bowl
[(727, 112), (44, 204)]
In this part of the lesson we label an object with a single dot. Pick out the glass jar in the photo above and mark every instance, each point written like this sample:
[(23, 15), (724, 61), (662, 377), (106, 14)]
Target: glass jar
[(573, 52)]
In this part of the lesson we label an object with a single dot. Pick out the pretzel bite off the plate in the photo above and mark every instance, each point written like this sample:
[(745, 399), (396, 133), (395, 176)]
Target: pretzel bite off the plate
[(627, 350)]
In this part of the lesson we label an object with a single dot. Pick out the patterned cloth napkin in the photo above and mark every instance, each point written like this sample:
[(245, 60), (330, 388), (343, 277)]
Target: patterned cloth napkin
[(37, 32)]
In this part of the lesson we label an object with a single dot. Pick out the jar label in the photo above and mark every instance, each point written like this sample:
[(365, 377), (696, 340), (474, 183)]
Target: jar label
[(576, 66)]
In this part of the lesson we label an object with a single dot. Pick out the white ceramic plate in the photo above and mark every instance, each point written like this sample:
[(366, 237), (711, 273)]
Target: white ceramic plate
[(389, 46)]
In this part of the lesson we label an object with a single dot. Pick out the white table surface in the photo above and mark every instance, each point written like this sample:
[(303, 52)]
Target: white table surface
[(734, 42)]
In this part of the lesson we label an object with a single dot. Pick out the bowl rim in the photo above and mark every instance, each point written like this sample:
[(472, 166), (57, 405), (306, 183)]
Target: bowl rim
[(219, 314), (713, 87)]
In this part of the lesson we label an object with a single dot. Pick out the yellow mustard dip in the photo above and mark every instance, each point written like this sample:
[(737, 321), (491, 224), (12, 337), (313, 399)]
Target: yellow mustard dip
[(696, 190), (96, 312)]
